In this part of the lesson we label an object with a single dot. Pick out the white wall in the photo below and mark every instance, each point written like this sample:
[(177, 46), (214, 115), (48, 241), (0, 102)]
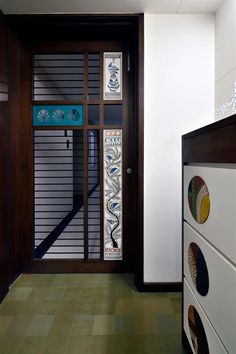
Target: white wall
[(225, 87), (179, 97)]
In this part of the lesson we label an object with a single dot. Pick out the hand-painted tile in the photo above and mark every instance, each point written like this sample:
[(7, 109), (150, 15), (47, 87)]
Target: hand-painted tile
[(112, 76), (112, 143), (63, 115)]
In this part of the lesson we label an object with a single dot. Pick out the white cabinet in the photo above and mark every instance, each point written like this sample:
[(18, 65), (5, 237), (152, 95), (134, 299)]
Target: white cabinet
[(209, 255)]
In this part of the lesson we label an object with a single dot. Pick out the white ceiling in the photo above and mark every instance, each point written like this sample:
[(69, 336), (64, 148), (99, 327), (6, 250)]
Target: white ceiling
[(108, 6)]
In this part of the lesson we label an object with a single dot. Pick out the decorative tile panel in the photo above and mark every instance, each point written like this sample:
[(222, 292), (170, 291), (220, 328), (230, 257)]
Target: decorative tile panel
[(63, 115), (112, 144), (112, 72)]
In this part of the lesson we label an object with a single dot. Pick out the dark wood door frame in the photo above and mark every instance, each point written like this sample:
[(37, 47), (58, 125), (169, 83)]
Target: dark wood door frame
[(31, 28)]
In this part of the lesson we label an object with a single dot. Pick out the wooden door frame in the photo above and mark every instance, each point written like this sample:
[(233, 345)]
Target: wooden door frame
[(29, 28)]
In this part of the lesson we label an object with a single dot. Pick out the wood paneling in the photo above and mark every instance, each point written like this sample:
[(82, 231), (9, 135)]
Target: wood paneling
[(26, 161), (4, 240), (14, 162), (14, 154), (75, 27), (139, 274)]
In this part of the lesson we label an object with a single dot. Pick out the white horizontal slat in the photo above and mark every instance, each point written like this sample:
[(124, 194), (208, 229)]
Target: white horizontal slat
[(79, 235), (54, 201), (94, 256), (65, 249), (63, 256), (56, 167), (50, 133), (54, 173), (53, 160), (68, 243), (45, 208), (51, 214), (58, 180), (58, 56), (93, 228)]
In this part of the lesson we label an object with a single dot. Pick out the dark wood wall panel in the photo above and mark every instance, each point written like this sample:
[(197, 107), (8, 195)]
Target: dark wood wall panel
[(19, 157), (14, 153), (139, 275), (4, 245), (14, 161), (26, 162)]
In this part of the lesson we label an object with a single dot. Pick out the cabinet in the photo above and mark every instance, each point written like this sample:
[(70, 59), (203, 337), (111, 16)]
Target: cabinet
[(209, 239)]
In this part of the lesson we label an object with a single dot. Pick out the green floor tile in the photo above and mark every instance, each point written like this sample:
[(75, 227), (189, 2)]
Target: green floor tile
[(10, 345), (4, 323), (146, 325), (55, 293), (40, 325), (88, 314), (127, 345), (86, 306), (104, 325), (61, 325), (19, 294), (90, 292), (176, 304), (125, 325), (19, 326), (55, 345), (79, 345), (38, 293), (101, 344), (68, 306), (31, 345), (47, 307), (82, 325), (104, 307), (73, 292), (167, 324)]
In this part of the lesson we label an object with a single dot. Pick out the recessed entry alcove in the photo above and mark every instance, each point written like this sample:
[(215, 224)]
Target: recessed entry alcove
[(76, 82)]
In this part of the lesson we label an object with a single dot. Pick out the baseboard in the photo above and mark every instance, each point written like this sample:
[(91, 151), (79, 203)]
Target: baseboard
[(3, 293), (159, 287)]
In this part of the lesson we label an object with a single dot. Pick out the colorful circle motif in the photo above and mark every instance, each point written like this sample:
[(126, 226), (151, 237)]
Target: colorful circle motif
[(199, 199), (197, 332), (198, 269)]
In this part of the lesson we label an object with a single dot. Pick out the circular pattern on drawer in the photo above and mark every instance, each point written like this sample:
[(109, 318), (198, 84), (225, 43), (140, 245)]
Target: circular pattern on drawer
[(197, 331), (198, 269), (199, 199)]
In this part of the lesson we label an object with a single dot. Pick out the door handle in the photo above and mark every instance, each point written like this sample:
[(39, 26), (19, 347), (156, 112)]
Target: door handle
[(129, 171)]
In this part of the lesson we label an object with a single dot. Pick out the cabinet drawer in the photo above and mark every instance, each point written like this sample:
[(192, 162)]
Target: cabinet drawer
[(210, 205), (200, 333)]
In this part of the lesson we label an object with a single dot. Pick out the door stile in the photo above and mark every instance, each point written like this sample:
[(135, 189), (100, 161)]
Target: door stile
[(85, 191)]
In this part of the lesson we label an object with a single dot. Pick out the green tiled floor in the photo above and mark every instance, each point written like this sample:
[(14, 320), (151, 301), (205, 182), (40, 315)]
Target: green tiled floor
[(88, 314)]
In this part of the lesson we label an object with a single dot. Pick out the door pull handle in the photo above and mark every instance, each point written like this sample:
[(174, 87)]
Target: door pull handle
[(129, 171)]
